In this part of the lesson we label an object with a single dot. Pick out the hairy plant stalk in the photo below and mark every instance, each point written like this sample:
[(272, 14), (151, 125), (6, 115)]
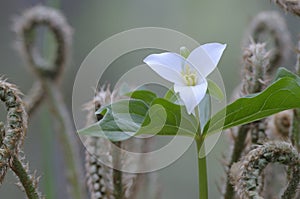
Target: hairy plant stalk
[(296, 112), (256, 63), (15, 129), (269, 27), (49, 73), (117, 172), (2, 133), (296, 128), (104, 182), (16, 117), (68, 139), (34, 98), (25, 27), (297, 67), (252, 165), (29, 183), (269, 46), (293, 186), (258, 131), (239, 145), (12, 136)]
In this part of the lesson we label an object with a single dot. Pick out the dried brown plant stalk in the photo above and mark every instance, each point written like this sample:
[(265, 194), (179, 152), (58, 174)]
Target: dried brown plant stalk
[(269, 27), (12, 136), (16, 126), (268, 47), (25, 28), (49, 73), (256, 61), (246, 176), (103, 181), (34, 98), (295, 137)]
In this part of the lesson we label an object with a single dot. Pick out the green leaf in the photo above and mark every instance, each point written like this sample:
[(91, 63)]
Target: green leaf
[(172, 96), (121, 120), (283, 94), (214, 90), (144, 95), (283, 72), (168, 119), (142, 114)]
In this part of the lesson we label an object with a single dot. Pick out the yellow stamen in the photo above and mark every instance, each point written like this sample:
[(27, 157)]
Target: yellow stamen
[(189, 76)]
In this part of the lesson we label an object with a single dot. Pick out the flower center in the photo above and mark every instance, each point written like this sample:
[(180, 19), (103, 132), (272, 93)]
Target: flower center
[(189, 76)]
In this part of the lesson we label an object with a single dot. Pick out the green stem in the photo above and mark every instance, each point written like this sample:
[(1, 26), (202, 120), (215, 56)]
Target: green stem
[(202, 166), (202, 169)]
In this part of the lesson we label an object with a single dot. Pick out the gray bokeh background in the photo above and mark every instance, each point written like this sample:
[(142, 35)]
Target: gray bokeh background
[(94, 21)]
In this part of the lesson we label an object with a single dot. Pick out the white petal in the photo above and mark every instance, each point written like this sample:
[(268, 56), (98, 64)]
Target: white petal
[(191, 95), (215, 51), (206, 57), (167, 65)]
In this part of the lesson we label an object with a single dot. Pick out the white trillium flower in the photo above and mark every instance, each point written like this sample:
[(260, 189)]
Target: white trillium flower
[(188, 75)]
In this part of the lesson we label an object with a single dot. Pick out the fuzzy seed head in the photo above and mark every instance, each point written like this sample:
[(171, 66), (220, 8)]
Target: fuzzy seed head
[(99, 176), (292, 6), (256, 61), (279, 125), (253, 164), (270, 28), (25, 27), (13, 132)]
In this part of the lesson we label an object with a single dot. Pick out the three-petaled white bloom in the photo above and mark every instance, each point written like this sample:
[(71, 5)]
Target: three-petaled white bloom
[(188, 75)]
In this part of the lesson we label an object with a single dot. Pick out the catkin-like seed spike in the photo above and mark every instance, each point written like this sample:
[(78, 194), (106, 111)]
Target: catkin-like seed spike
[(297, 67), (100, 178), (2, 132), (28, 182), (34, 98), (94, 171), (13, 133), (256, 62), (16, 125), (295, 137), (3, 164), (269, 27), (292, 6), (49, 72), (251, 166), (12, 136), (25, 27)]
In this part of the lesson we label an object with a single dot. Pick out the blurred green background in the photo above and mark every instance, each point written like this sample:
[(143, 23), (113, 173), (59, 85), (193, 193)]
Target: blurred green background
[(94, 21)]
